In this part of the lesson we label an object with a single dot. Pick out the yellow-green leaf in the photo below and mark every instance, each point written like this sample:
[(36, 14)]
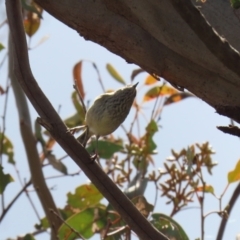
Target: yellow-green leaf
[(168, 226), (142, 205), (28, 237), (150, 80), (1, 47), (86, 223), (106, 149), (113, 72), (32, 20), (86, 195), (5, 180), (78, 106), (234, 175), (206, 188), (235, 4), (155, 92), (33, 7), (6, 147)]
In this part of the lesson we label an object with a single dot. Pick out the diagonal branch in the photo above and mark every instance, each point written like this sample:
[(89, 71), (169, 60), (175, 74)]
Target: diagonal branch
[(52, 121), (29, 143), (215, 43), (228, 210)]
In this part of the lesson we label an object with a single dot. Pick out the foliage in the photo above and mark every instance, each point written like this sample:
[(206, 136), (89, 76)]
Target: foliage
[(235, 3)]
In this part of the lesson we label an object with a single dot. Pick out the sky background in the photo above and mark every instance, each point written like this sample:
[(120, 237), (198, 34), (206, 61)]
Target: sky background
[(183, 124)]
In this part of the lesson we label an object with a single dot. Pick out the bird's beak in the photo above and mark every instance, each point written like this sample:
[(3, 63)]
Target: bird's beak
[(135, 85)]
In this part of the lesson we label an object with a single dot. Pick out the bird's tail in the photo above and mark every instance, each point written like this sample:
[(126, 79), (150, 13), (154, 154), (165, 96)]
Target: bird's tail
[(84, 137)]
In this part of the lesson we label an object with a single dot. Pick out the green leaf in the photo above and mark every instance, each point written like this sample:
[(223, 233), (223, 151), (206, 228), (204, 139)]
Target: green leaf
[(1, 47), (141, 160), (73, 121), (78, 106), (5, 180), (85, 196), (28, 237), (115, 74), (7, 148), (168, 227), (235, 4), (86, 223), (150, 145), (30, 8), (142, 205), (206, 188), (44, 224), (234, 175), (141, 163), (38, 133), (105, 149)]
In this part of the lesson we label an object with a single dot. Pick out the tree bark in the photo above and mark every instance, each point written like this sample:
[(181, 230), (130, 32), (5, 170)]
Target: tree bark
[(155, 36)]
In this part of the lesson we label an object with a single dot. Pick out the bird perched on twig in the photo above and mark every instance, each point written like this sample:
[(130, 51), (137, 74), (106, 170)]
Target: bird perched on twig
[(107, 112)]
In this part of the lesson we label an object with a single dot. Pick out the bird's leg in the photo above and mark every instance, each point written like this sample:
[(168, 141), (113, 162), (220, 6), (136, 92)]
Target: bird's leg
[(74, 129), (86, 137), (95, 156)]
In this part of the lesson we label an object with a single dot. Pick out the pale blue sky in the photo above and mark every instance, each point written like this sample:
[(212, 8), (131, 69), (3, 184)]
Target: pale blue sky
[(183, 124)]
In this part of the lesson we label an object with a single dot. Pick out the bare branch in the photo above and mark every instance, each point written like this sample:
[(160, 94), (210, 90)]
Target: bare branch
[(230, 205), (27, 135)]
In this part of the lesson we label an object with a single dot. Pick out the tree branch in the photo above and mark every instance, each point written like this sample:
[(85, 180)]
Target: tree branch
[(14, 200), (29, 142), (157, 39), (120, 202), (228, 209), (213, 41)]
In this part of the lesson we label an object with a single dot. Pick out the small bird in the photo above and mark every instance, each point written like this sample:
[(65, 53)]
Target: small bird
[(107, 112)]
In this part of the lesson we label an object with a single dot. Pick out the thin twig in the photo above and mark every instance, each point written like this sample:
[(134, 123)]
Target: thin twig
[(201, 200), (14, 200), (231, 203), (76, 232), (98, 73), (39, 232), (156, 195), (4, 59), (32, 204), (18, 175), (3, 132), (158, 98), (212, 212), (99, 77), (2, 23), (67, 175)]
